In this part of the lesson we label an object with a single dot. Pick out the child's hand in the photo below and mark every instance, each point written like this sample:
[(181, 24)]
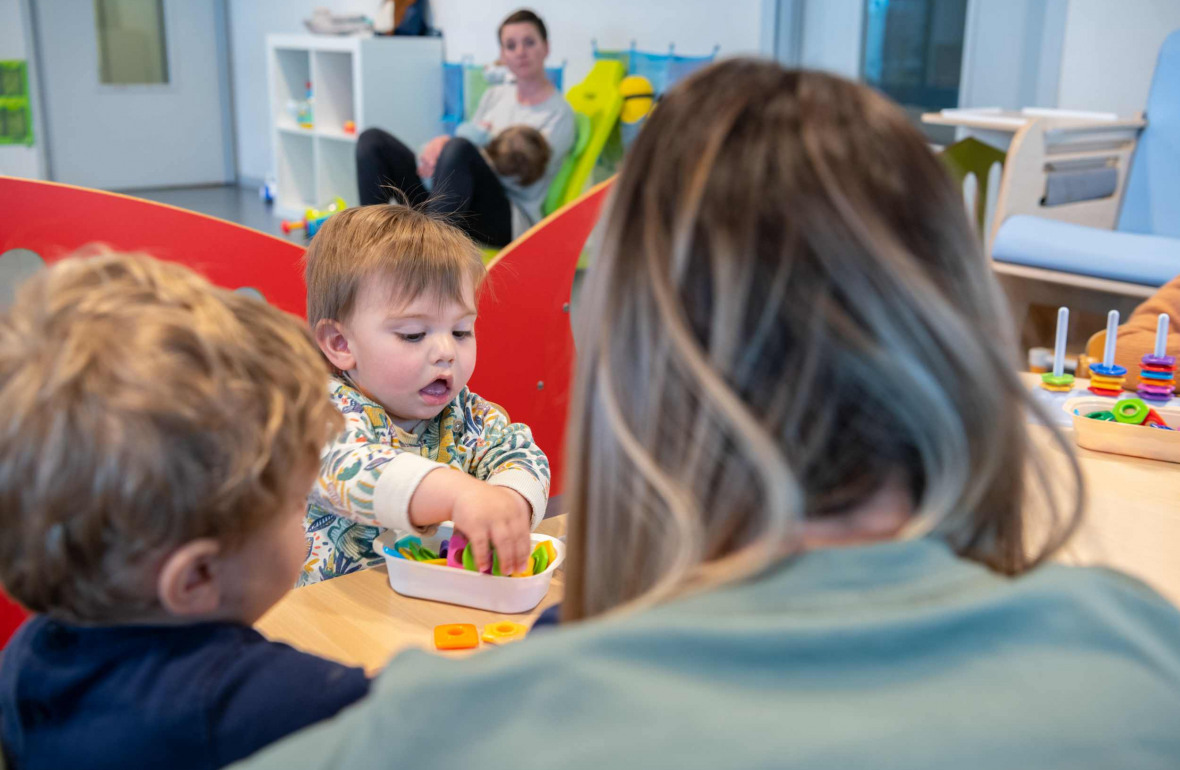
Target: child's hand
[(429, 157), (494, 516), (488, 515)]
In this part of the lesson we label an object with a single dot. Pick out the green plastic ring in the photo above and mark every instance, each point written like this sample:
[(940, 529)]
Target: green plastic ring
[(1058, 380), (540, 560), (1104, 416), (1132, 411), (469, 558)]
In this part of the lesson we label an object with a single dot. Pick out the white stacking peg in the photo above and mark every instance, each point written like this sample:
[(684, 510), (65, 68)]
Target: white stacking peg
[(1112, 335), (1059, 344)]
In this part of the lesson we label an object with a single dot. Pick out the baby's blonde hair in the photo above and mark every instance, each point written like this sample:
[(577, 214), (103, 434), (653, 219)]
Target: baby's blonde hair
[(141, 408), (790, 312), (406, 251)]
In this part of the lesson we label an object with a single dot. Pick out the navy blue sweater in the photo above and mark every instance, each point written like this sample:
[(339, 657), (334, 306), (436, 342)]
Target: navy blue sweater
[(198, 696)]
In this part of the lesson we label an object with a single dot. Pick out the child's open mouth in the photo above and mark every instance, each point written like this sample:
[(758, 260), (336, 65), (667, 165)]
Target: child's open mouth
[(437, 392)]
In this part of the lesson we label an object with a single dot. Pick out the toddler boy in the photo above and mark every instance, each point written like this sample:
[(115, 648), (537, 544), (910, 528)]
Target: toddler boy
[(391, 299), (158, 437)]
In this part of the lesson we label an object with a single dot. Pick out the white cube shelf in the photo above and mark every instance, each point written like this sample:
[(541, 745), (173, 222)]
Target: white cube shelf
[(394, 83)]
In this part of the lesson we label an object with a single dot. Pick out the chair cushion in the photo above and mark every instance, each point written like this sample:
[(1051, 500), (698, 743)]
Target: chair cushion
[(1144, 259)]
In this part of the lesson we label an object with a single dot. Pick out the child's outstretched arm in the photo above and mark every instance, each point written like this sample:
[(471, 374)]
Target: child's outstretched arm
[(366, 479), (503, 493), (505, 455)]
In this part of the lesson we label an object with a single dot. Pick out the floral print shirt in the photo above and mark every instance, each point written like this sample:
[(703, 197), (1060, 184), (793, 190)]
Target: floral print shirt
[(369, 473)]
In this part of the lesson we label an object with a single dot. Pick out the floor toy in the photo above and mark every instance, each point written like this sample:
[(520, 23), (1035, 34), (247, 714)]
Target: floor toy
[(313, 219), (456, 636)]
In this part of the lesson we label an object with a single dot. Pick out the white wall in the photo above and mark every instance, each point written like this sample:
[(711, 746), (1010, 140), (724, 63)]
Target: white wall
[(1012, 53), (18, 160), (469, 28), (1110, 50), (832, 34)]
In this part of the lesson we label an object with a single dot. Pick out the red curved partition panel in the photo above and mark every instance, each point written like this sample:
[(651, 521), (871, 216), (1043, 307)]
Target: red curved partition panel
[(55, 220), (526, 343), (11, 616), (526, 346)]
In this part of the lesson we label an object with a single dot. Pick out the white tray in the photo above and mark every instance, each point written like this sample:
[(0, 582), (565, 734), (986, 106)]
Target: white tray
[(1123, 439), (463, 587)]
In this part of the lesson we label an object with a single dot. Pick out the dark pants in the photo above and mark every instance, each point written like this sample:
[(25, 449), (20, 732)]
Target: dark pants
[(466, 190)]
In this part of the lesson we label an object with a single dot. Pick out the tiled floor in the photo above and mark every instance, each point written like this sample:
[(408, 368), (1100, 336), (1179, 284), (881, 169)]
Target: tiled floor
[(235, 204)]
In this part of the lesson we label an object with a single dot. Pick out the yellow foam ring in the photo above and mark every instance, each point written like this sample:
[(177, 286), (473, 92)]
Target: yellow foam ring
[(438, 562), (527, 571), (638, 97), (1057, 388), (1109, 383), (504, 631)]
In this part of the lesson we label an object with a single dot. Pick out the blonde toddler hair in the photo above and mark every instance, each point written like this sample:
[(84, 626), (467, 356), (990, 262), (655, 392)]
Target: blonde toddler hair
[(141, 408), (406, 251)]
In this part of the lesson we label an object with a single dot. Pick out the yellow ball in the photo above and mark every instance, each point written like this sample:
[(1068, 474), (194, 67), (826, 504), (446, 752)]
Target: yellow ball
[(638, 97)]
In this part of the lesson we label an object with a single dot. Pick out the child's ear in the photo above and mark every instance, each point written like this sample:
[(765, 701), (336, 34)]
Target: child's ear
[(189, 583), (334, 345)]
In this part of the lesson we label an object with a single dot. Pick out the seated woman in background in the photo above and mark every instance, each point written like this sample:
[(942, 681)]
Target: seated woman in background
[(490, 207), (799, 530)]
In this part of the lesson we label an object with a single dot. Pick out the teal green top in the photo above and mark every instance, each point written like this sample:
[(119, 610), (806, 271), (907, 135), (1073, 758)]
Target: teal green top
[(899, 655)]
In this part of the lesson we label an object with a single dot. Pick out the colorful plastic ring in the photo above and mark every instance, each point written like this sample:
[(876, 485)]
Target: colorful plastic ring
[(1104, 416), (1159, 360), (1057, 380), (1149, 374), (1114, 370), (1161, 427), (469, 559), (1131, 412)]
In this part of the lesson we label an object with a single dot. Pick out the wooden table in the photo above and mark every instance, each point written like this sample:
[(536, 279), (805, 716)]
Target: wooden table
[(1132, 523), (358, 619), (1132, 515)]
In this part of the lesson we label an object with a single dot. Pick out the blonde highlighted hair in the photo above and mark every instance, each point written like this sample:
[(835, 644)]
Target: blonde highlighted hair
[(143, 408), (789, 312), (405, 251)]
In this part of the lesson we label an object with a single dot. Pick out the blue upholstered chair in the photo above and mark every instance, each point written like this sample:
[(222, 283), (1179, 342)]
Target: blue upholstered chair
[(1142, 250)]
